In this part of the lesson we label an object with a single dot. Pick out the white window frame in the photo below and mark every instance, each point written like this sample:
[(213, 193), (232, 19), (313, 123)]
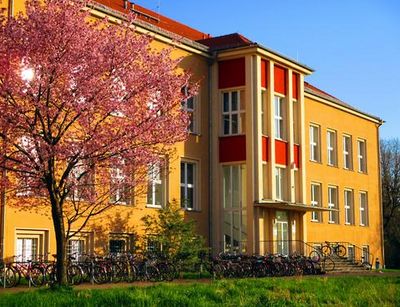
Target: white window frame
[(316, 201), (348, 207), (315, 147), (333, 216), (231, 208), (117, 174), (279, 183), (362, 157), (347, 152), (76, 192), (363, 209), (229, 114), (192, 111), (156, 179), (279, 117), (186, 185), (331, 147)]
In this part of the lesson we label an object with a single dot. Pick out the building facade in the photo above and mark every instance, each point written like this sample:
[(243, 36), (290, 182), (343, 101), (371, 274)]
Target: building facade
[(272, 164)]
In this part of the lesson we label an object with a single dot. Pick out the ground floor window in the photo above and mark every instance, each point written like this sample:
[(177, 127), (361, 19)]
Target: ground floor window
[(365, 254), (27, 249), (30, 244), (76, 248), (234, 205), (121, 243)]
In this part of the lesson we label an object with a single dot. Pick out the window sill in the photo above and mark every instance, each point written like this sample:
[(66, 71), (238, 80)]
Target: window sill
[(315, 221), (153, 207), (348, 169), (191, 210), (332, 165), (315, 161), (333, 223), (195, 134), (349, 224)]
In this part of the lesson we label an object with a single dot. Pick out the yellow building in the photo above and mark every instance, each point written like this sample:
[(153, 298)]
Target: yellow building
[(272, 164)]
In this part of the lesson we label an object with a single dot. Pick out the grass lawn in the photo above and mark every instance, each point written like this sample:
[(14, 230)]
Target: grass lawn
[(343, 291)]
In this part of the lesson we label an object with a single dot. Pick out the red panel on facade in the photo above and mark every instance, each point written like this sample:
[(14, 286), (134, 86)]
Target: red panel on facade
[(264, 73), (296, 153), (295, 85), (265, 148), (281, 152), (232, 73), (232, 148), (280, 80)]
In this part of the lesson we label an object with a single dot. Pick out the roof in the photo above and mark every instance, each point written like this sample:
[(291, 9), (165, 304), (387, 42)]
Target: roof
[(228, 41), (154, 18), (311, 89)]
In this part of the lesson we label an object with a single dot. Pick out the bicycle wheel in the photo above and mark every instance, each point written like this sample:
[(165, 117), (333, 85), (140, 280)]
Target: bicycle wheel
[(100, 275), (152, 273), (326, 250), (341, 251), (8, 277), (117, 273), (51, 274), (37, 276), (74, 274), (315, 256), (328, 265)]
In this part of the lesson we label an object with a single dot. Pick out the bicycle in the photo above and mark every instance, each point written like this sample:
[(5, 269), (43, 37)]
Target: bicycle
[(334, 249), (30, 270)]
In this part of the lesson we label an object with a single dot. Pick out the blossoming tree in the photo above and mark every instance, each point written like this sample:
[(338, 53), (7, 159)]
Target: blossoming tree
[(86, 106)]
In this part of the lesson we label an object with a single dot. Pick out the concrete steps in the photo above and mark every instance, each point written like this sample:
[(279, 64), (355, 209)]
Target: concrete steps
[(345, 265)]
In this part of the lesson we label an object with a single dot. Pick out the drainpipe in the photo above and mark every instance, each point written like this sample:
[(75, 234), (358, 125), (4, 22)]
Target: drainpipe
[(380, 195), (210, 152), (10, 8)]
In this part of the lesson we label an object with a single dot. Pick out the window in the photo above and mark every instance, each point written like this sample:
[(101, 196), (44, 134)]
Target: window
[(279, 183), (155, 186), (233, 113), (189, 105), (279, 117), (365, 254), (348, 207), (362, 158), (188, 186), (234, 204), (76, 248), (264, 121), (119, 189), (30, 243), (27, 249), (314, 144), (363, 209), (316, 202), (117, 246), (333, 204), (82, 185), (331, 148), (347, 152)]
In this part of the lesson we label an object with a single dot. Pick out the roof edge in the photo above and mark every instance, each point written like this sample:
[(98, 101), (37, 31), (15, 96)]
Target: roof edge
[(148, 26), (363, 114)]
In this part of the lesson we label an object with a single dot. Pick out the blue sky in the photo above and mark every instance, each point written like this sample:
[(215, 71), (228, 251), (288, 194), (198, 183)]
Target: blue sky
[(353, 45)]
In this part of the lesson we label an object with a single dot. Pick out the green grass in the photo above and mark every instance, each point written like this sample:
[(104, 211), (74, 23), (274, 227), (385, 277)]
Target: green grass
[(343, 291)]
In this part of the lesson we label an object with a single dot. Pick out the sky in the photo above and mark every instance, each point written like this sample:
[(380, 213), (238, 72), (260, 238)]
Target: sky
[(353, 45)]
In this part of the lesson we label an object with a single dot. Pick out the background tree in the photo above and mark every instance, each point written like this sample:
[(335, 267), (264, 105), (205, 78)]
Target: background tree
[(390, 168), (84, 106), (172, 235)]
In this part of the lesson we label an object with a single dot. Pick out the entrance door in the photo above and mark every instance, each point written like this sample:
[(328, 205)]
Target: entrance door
[(281, 232)]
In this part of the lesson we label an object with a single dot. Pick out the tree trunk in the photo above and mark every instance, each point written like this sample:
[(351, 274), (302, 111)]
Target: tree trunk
[(59, 230)]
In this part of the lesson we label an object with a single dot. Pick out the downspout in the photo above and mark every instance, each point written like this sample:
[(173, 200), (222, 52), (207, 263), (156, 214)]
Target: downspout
[(210, 152), (380, 195), (10, 8)]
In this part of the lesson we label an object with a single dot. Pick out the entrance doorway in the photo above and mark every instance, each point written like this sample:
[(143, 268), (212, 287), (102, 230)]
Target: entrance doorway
[(281, 233)]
